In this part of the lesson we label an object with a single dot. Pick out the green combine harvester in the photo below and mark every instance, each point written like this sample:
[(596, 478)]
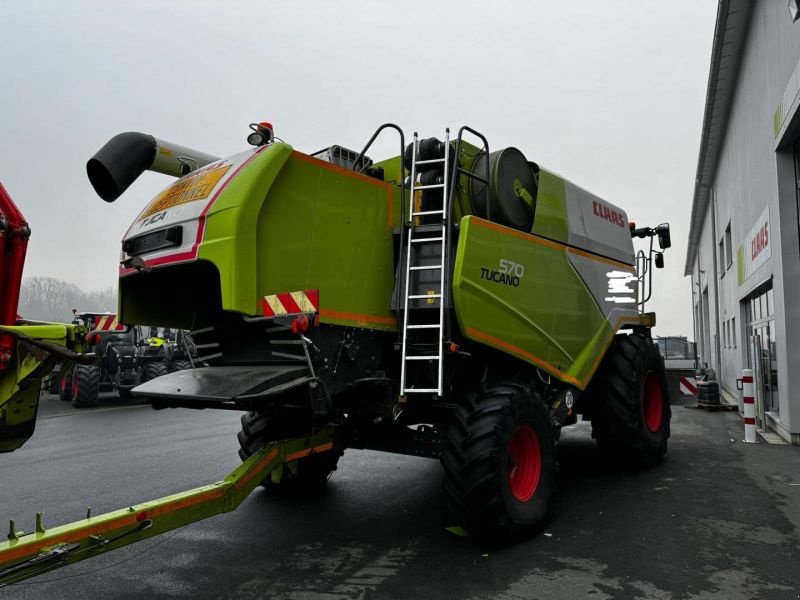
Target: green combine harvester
[(450, 302)]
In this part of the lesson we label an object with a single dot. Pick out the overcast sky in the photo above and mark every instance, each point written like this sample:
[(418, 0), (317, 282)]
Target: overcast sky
[(608, 94)]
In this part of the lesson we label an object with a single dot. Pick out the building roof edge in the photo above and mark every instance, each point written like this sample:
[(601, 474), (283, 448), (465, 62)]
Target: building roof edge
[(730, 35)]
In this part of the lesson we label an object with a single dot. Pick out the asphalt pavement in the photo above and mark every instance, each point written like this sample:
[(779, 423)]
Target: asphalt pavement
[(719, 519)]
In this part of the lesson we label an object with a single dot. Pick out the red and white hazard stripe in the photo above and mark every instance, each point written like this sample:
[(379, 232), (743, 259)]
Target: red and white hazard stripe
[(108, 323), (688, 386), (291, 303)]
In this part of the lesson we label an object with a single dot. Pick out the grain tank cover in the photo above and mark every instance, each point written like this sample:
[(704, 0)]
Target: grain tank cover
[(597, 225), (512, 188)]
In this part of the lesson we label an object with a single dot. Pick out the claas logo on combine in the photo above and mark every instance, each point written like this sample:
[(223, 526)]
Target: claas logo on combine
[(609, 214)]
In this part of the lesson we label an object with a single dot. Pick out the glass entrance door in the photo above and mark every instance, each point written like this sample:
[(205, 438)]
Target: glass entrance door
[(761, 326)]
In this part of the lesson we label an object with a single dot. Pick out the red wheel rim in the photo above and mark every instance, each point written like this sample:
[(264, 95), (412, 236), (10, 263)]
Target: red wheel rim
[(524, 463), (653, 402)]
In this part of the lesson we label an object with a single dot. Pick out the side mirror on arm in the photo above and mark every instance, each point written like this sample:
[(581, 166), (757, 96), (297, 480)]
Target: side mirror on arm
[(664, 239)]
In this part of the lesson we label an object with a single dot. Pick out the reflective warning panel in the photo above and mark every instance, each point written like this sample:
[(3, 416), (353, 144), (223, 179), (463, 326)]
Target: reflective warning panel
[(107, 323), (195, 186), (291, 303)]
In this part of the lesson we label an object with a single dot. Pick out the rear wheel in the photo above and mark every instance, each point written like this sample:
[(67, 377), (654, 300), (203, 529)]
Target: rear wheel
[(632, 413), (308, 474), (85, 386), (181, 365), (65, 387), (499, 462), (152, 370)]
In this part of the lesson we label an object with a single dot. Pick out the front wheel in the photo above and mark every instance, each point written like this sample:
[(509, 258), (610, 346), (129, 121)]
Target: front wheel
[(631, 415), (499, 462)]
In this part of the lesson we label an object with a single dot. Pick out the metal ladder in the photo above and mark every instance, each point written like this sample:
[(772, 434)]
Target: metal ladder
[(413, 242)]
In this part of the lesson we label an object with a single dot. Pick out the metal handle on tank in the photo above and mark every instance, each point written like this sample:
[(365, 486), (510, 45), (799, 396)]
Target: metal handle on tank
[(359, 169)]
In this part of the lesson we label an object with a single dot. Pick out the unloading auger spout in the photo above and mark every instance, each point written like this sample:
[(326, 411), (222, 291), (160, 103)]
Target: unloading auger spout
[(127, 155)]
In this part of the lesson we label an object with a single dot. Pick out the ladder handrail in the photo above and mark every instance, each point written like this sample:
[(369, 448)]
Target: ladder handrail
[(452, 190), (406, 274), (359, 168)]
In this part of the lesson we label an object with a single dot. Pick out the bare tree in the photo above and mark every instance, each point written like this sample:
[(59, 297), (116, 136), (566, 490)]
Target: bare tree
[(50, 299)]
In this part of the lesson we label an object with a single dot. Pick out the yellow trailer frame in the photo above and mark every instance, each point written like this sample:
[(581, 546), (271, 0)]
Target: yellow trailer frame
[(27, 555)]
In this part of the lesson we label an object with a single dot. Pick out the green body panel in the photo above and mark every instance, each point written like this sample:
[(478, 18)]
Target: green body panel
[(324, 228), (231, 230), (288, 222), (543, 314), (551, 208)]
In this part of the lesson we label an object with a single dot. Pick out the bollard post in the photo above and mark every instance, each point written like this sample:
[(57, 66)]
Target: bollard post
[(749, 407)]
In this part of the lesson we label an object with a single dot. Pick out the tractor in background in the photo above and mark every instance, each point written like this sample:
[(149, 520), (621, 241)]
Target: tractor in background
[(127, 357), (178, 345)]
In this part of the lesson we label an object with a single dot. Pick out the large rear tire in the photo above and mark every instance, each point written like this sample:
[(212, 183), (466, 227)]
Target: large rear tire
[(85, 386), (309, 474), (65, 387), (181, 365), (499, 462), (632, 413)]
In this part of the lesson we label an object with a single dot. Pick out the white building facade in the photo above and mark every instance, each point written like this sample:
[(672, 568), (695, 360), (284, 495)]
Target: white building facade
[(743, 254)]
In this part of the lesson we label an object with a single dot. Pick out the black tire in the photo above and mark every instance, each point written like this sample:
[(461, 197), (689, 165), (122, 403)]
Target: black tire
[(85, 386), (65, 387), (708, 392), (152, 370), (491, 496), (181, 365), (311, 473), (631, 415)]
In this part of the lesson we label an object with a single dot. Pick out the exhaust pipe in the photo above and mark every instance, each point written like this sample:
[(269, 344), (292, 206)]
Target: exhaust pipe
[(127, 155)]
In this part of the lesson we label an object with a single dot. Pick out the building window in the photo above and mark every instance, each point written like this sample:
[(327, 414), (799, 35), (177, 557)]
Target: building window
[(733, 331), (721, 255), (728, 247)]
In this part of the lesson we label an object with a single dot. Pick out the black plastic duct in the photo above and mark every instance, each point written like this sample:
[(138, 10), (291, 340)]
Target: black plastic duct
[(120, 162)]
